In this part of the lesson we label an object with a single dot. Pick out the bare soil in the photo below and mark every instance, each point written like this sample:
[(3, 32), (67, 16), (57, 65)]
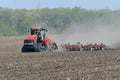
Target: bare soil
[(56, 65)]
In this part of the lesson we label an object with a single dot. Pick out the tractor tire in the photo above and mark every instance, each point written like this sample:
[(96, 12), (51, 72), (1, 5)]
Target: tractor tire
[(32, 48), (41, 47), (23, 49), (54, 46)]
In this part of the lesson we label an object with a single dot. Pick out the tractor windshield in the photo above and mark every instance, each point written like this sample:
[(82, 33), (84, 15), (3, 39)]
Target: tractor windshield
[(33, 32), (43, 33), (37, 31)]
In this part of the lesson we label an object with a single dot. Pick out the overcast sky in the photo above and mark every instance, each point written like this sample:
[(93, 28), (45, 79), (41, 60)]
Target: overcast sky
[(87, 4)]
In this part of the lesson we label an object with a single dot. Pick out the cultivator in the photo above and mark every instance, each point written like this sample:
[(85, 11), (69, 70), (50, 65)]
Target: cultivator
[(81, 47)]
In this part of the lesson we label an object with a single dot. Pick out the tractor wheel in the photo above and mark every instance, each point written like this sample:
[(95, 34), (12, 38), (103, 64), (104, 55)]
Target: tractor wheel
[(23, 49), (54, 46), (41, 47), (29, 48)]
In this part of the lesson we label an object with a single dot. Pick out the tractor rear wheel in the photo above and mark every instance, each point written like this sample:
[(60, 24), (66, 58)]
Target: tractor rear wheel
[(41, 47), (53, 47)]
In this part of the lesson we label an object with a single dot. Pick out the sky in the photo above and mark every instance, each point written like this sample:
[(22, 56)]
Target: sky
[(87, 4)]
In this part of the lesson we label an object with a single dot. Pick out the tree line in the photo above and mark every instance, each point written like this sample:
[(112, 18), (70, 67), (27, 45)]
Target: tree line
[(18, 21)]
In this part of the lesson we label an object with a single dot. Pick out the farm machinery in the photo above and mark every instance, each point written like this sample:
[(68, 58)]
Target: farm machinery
[(86, 47), (38, 41)]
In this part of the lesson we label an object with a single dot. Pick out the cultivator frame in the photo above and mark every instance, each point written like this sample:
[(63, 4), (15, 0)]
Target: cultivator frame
[(81, 47)]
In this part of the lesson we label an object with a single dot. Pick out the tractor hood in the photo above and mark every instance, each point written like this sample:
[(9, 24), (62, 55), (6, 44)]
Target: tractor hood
[(32, 37)]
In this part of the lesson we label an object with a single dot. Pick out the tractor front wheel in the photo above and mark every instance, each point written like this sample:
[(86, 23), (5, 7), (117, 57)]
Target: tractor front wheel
[(23, 49)]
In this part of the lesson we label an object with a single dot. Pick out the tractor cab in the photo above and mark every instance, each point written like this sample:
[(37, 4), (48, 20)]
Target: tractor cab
[(39, 32)]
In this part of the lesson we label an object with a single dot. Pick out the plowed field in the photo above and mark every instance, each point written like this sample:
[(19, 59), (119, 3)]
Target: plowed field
[(56, 65)]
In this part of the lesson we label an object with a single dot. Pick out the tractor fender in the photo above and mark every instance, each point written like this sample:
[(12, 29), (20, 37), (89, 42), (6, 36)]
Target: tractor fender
[(48, 40)]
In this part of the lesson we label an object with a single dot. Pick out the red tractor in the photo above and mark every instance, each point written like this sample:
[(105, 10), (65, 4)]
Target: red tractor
[(38, 41)]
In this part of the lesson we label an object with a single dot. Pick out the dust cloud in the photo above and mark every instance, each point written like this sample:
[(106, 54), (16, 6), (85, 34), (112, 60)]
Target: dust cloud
[(109, 35)]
